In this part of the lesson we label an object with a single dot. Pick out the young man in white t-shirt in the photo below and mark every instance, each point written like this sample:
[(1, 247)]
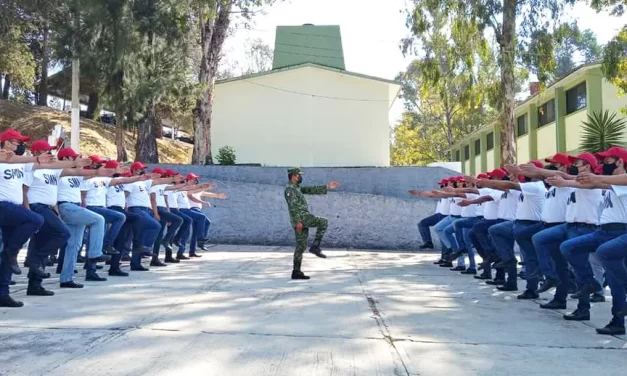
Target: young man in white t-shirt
[(582, 217), (426, 223), (197, 204), (444, 228), (613, 224)]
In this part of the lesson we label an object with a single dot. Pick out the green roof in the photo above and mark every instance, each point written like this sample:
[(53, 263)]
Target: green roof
[(321, 45)]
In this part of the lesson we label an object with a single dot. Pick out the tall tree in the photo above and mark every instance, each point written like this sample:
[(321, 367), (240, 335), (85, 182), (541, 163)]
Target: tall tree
[(214, 18), (512, 23), (258, 56)]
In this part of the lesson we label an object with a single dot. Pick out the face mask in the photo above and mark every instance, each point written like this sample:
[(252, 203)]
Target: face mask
[(608, 168), (300, 179), (142, 173), (552, 168), (506, 178), (573, 170), (20, 150)]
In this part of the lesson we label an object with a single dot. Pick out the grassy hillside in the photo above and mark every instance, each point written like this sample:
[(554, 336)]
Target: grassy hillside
[(38, 122)]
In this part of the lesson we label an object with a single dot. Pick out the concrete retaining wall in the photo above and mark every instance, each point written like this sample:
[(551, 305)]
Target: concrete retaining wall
[(371, 209)]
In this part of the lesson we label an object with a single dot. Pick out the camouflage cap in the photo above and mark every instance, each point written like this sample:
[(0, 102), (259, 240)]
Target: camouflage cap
[(295, 171)]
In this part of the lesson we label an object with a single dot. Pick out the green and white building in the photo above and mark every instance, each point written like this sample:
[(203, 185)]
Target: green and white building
[(547, 122)]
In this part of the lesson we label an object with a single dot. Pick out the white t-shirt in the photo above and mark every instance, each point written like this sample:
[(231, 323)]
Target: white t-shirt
[(455, 209), (116, 196), (96, 189), (170, 196), (438, 206), (531, 201), (508, 203), (197, 196), (445, 206), (12, 181), (584, 206), (159, 191), (614, 205), (554, 209), (42, 186), (490, 208), (182, 199), (470, 210), (139, 193), (70, 189)]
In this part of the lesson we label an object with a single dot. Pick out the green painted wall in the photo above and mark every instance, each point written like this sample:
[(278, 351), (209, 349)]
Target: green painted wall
[(296, 45), (560, 123), (532, 118)]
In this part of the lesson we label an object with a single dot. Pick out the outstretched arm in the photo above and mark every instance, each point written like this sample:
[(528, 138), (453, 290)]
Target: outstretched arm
[(501, 185), (602, 181), (479, 201), (558, 181), (532, 171)]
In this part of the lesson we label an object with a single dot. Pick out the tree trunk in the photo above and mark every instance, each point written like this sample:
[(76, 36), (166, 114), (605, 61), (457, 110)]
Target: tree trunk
[(120, 111), (146, 146), (42, 99), (7, 87), (508, 90), (213, 33), (93, 112)]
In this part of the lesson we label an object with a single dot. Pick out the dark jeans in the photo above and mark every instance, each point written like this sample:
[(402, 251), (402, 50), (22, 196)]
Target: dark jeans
[(18, 224), (481, 234), (425, 224), (463, 229), (205, 233), (198, 227), (523, 232), (577, 252), (146, 227), (183, 233), (174, 222), (114, 219), (502, 235), (549, 241), (125, 232), (52, 235), (613, 256)]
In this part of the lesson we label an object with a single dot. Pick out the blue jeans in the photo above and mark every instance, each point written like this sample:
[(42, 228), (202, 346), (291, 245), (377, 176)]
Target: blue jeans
[(449, 235), (114, 219), (174, 222), (463, 228), (146, 227), (482, 236), (425, 224), (577, 252), (439, 229), (502, 235), (125, 232), (207, 224), (613, 256), (77, 218), (549, 241), (523, 232), (184, 231), (52, 236), (198, 227), (18, 224)]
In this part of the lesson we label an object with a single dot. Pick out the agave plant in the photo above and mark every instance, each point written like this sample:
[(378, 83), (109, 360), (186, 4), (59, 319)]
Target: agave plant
[(602, 131)]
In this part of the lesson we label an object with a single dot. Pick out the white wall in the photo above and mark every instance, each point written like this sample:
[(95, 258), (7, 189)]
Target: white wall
[(282, 128)]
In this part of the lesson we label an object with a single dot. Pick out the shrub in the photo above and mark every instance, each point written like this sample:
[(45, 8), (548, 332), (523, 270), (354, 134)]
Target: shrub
[(226, 156)]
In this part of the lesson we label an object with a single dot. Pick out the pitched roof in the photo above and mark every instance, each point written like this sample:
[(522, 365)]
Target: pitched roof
[(295, 45)]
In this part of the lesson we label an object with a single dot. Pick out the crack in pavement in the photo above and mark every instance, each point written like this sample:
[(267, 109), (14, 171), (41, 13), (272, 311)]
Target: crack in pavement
[(519, 345)]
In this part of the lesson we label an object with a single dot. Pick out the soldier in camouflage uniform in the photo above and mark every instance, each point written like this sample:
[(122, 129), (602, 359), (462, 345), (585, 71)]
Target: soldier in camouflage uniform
[(302, 220)]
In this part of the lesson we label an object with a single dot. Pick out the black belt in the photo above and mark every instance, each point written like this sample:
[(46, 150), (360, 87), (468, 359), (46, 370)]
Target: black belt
[(39, 204), (583, 225), (456, 216), (68, 202), (526, 221), (553, 224), (614, 227)]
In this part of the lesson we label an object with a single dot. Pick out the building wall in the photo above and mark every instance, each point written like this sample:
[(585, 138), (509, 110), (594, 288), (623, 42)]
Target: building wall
[(490, 160), (477, 164), (547, 141), (611, 100), (573, 129), (283, 128), (467, 167), (522, 148)]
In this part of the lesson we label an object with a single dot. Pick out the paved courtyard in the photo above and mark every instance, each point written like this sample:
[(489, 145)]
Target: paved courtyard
[(235, 312)]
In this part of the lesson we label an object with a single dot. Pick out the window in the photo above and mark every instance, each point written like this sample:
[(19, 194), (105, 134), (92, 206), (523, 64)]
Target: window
[(490, 141), (477, 147), (466, 152), (522, 128), (457, 156), (546, 113), (576, 98)]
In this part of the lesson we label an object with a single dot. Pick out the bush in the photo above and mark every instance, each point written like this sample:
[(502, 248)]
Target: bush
[(226, 156)]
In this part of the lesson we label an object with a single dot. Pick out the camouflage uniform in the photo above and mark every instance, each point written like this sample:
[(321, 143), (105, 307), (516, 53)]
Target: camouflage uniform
[(299, 212)]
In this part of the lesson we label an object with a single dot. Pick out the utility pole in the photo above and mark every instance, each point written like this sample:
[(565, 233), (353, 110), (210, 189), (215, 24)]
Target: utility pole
[(76, 106)]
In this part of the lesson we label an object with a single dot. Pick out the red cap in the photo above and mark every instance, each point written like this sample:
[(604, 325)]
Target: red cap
[(138, 166), (126, 174), (40, 145), (561, 158), (588, 157), (443, 181), (170, 172), (599, 170), (537, 163), (614, 151), (111, 164), (498, 173), (67, 152), (483, 176), (12, 134), (158, 170), (191, 176), (97, 159)]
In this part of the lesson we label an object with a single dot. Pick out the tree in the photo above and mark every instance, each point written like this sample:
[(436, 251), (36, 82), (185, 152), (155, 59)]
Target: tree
[(259, 56), (602, 131), (413, 144), (471, 20), (214, 19)]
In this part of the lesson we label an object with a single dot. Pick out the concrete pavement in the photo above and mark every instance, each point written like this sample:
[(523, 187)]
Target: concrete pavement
[(235, 312)]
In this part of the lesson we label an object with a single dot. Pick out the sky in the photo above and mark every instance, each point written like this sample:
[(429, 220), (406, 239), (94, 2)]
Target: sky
[(371, 31)]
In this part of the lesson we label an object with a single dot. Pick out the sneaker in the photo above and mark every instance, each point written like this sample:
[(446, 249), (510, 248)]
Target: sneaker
[(528, 295), (139, 268), (458, 269), (507, 287), (171, 260), (71, 285), (117, 273), (94, 277), (427, 245), (484, 276), (180, 256), (194, 254), (597, 298), (495, 282), (38, 291), (548, 284), (554, 304), (101, 258), (446, 264), (578, 315), (469, 271), (438, 262), (8, 302), (157, 263), (591, 288), (612, 329), (297, 274)]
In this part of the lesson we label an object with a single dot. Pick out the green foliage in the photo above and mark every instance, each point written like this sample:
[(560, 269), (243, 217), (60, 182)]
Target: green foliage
[(602, 131), (226, 156), (414, 144)]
